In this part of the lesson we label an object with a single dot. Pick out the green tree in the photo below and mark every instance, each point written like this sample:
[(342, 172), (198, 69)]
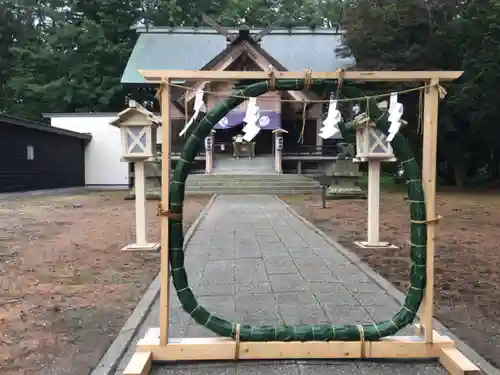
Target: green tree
[(477, 36), (431, 35), (76, 61), (16, 25)]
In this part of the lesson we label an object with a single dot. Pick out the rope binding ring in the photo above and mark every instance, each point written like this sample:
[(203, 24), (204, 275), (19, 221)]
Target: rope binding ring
[(166, 213)]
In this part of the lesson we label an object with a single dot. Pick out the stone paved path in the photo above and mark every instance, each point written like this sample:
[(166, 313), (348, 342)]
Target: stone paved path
[(252, 261)]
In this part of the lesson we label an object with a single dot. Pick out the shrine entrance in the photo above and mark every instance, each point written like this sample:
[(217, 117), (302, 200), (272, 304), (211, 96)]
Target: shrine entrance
[(232, 155), (225, 142)]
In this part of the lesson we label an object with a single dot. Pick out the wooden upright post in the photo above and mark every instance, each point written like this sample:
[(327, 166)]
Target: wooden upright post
[(429, 161), (374, 203), (140, 203), (165, 184)]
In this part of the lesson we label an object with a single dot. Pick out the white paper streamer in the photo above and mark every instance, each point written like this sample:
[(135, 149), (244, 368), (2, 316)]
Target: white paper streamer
[(330, 124), (251, 109), (395, 114), (252, 116), (199, 106)]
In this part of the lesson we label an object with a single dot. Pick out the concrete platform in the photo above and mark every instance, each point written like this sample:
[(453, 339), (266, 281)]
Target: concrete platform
[(251, 260)]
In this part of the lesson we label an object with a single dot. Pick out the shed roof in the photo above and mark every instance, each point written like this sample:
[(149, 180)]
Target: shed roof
[(183, 48), (13, 120)]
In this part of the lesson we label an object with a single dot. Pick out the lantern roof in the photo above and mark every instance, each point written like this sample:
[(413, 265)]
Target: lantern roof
[(133, 109)]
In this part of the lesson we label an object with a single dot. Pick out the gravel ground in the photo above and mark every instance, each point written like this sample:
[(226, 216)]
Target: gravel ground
[(67, 289)]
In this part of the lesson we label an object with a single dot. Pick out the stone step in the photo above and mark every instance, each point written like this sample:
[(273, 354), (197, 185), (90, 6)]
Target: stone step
[(236, 179), (250, 184), (252, 187), (254, 192), (272, 176), (210, 181)]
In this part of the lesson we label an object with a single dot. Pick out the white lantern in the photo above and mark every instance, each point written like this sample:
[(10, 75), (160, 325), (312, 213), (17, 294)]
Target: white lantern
[(371, 143), (138, 132)]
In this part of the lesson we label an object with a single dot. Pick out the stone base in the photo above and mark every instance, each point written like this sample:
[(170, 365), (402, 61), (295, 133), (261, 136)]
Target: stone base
[(147, 247), (150, 196), (333, 193), (366, 245)]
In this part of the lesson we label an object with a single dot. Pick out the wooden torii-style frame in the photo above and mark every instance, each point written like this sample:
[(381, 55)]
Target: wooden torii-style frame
[(426, 342)]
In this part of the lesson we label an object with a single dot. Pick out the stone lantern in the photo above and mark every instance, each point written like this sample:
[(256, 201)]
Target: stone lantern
[(138, 135)]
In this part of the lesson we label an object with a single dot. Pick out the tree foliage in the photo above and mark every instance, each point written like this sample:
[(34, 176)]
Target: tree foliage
[(68, 55), (440, 35)]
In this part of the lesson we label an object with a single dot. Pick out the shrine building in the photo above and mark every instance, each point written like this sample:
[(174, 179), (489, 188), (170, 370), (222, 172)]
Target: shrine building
[(296, 49), (284, 125)]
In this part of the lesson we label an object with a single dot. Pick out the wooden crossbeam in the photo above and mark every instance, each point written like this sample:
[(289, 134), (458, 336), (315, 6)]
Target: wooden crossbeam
[(159, 76)]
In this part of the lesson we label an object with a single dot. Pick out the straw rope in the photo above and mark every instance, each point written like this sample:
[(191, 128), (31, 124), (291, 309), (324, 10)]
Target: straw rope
[(361, 340), (237, 339), (272, 85)]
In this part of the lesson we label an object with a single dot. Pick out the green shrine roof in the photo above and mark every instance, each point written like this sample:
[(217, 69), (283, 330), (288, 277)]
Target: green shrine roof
[(183, 48)]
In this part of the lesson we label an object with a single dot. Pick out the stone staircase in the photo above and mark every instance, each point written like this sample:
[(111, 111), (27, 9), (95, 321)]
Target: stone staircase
[(243, 176), (258, 165), (251, 184)]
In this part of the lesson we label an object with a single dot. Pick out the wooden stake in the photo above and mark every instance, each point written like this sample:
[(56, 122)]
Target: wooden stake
[(165, 184), (429, 160)]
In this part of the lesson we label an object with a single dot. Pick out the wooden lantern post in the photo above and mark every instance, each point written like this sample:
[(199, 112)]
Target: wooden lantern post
[(426, 343), (138, 134), (372, 147)]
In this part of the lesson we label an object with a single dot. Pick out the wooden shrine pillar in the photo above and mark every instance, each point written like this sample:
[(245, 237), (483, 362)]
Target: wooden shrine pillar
[(165, 204), (429, 161)]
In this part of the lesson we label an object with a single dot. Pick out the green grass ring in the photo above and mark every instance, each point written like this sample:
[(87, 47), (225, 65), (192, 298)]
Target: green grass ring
[(316, 332)]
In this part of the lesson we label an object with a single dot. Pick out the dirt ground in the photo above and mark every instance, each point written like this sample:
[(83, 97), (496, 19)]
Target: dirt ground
[(67, 289), (467, 255)]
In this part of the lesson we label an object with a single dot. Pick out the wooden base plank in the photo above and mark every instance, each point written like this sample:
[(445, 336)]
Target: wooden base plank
[(221, 348), (456, 363), (202, 349), (140, 364)]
